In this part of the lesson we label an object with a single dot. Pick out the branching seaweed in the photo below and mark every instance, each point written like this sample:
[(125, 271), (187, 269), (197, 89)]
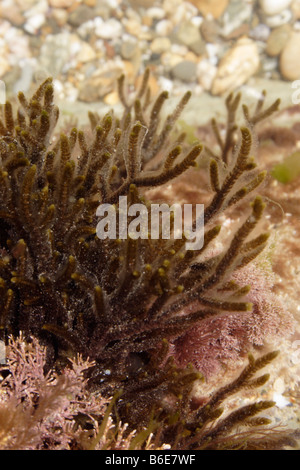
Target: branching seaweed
[(122, 302)]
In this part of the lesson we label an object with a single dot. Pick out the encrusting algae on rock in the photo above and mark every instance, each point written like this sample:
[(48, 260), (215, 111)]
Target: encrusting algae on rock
[(129, 304)]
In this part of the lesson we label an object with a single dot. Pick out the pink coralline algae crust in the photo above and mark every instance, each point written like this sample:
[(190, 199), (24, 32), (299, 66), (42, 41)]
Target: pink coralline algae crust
[(224, 340)]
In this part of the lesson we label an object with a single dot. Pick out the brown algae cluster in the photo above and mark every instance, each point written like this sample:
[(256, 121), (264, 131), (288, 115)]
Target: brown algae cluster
[(123, 303)]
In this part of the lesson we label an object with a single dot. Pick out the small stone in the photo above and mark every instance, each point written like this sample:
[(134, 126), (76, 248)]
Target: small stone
[(109, 29), (215, 8), (60, 3), (273, 7), (141, 3), (188, 33), (60, 15), (277, 40), (236, 17), (289, 65), (12, 13), (111, 99), (209, 30), (4, 64), (147, 21), (160, 45), (206, 73), (186, 71), (132, 26), (295, 7), (129, 47), (99, 84), (236, 67), (156, 13), (164, 27), (260, 32), (198, 47), (34, 23), (26, 4), (55, 52), (90, 3), (86, 53), (81, 15), (285, 16)]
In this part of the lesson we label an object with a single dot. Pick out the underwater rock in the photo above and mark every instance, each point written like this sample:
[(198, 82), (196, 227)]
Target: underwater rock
[(188, 33), (278, 39), (289, 65), (273, 7), (215, 8), (160, 45), (236, 67), (185, 71), (60, 3)]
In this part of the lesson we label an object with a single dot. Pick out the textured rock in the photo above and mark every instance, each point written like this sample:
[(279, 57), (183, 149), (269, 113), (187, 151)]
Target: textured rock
[(109, 29), (55, 52), (295, 7), (273, 7), (210, 30), (160, 45), (277, 39), (86, 53), (99, 84), (236, 67), (79, 16), (289, 62), (186, 71), (12, 13), (4, 64), (215, 8), (60, 3), (284, 17), (129, 48), (188, 33)]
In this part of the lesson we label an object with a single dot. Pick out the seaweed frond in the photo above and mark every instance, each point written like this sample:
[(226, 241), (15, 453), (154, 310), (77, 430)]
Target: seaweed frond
[(120, 301)]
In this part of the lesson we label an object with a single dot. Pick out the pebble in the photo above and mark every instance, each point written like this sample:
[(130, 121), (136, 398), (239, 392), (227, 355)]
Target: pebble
[(273, 7), (4, 63), (187, 33), (86, 53), (164, 27), (236, 67), (81, 15), (109, 29), (160, 45), (215, 45), (277, 39), (236, 15), (100, 83), (206, 73), (210, 30), (261, 32), (277, 20), (34, 23), (186, 71), (55, 53), (12, 13), (156, 13), (60, 15), (129, 47), (214, 8), (295, 7), (289, 65), (60, 3)]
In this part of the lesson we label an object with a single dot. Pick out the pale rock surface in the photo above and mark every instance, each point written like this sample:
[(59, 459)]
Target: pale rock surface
[(236, 67), (273, 7), (289, 58)]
